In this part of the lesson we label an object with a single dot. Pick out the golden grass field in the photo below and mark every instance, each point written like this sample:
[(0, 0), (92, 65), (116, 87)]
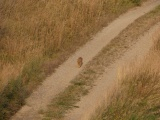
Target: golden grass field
[(37, 36), (41, 29), (85, 82)]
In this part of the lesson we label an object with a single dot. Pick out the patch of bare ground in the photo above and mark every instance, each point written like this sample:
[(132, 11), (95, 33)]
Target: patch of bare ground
[(85, 81)]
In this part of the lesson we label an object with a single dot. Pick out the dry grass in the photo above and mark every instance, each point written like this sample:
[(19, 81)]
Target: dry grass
[(36, 36), (45, 28), (82, 84), (138, 96), (10, 70)]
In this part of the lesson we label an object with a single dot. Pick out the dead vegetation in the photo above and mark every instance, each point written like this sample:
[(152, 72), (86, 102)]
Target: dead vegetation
[(37, 36), (82, 84), (138, 95)]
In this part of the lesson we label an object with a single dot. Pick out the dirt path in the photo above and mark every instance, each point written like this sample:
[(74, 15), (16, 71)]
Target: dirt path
[(68, 70), (107, 82)]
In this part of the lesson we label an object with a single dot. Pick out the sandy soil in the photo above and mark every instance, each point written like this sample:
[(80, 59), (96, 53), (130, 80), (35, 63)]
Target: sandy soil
[(59, 80), (108, 81)]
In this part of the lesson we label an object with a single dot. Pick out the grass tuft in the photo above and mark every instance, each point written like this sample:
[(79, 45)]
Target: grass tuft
[(137, 2)]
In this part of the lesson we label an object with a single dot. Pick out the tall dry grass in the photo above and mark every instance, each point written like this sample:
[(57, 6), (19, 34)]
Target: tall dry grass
[(43, 28), (138, 95), (36, 36)]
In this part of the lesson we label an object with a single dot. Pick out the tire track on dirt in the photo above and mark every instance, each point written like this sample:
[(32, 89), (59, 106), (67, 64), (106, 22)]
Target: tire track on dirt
[(108, 81)]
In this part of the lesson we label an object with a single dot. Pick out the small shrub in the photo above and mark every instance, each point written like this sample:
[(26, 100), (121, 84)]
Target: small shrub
[(136, 2), (12, 98)]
